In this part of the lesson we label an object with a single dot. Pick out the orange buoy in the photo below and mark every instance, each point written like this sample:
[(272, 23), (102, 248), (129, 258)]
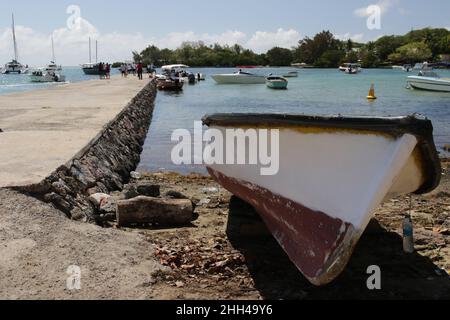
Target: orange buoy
[(372, 95)]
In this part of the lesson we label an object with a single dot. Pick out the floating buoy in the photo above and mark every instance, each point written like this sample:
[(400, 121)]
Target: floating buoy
[(372, 95)]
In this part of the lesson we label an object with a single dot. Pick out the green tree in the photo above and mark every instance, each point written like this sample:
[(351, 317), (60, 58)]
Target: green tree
[(312, 50), (279, 57), (330, 59), (387, 45), (411, 53)]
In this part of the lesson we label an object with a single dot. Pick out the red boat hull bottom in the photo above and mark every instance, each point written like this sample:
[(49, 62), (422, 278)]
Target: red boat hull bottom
[(319, 245)]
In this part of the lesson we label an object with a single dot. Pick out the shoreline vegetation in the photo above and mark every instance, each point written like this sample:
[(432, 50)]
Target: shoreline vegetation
[(324, 50)]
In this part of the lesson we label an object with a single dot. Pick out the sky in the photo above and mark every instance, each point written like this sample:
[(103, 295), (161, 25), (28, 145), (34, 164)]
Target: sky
[(121, 26)]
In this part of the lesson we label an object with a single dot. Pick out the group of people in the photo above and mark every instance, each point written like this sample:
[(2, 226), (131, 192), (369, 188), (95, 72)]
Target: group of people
[(104, 70), (135, 69)]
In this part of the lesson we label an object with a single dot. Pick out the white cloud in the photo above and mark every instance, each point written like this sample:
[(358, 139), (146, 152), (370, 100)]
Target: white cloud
[(354, 37), (263, 41), (384, 5), (175, 39), (71, 44)]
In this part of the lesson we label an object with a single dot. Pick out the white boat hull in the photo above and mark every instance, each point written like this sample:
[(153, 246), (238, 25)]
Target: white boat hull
[(429, 84), (238, 79), (47, 79), (281, 85), (329, 183), (7, 70)]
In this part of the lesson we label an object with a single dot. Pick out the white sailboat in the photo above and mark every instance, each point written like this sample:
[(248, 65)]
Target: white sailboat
[(14, 66), (52, 66)]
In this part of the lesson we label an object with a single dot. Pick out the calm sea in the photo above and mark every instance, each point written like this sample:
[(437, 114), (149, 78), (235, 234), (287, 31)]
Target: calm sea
[(18, 83), (319, 92)]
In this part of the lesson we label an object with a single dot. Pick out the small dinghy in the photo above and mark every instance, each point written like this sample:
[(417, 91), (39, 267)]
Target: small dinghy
[(275, 82), (334, 172), (168, 84), (291, 74)]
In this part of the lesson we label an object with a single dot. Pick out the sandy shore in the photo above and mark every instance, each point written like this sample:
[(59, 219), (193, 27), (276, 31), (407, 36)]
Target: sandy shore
[(226, 253), (44, 129)]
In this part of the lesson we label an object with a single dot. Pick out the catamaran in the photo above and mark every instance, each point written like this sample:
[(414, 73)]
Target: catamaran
[(52, 66), (14, 66)]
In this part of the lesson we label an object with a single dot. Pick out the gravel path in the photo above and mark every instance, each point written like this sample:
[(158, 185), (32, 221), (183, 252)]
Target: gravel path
[(38, 244)]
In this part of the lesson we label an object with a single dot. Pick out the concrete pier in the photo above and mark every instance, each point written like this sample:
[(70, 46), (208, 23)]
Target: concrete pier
[(44, 129)]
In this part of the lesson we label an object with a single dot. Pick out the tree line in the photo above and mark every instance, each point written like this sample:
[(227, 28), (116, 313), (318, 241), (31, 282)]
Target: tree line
[(324, 50)]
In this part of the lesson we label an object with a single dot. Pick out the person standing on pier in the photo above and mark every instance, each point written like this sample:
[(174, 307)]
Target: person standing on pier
[(100, 70), (139, 68), (108, 71)]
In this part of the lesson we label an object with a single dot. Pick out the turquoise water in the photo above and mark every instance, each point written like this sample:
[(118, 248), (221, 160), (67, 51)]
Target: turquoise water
[(315, 91), (19, 83), (320, 92)]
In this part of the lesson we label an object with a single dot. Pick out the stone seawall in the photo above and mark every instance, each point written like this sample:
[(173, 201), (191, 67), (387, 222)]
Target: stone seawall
[(104, 165)]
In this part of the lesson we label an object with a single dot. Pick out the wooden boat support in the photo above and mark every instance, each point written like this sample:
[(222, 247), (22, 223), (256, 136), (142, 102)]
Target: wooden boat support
[(334, 172)]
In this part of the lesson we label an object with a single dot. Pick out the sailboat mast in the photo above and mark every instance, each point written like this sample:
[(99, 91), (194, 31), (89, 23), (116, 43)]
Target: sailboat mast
[(16, 54), (53, 51), (96, 51), (90, 55)]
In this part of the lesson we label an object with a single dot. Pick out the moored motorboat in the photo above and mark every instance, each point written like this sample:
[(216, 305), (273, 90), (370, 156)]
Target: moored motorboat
[(291, 74), (344, 67), (169, 84), (276, 82), (176, 71), (44, 75), (333, 173), (430, 81), (239, 77), (353, 69)]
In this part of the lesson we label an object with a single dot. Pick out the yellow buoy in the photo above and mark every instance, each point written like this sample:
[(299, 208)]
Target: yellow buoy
[(372, 95)]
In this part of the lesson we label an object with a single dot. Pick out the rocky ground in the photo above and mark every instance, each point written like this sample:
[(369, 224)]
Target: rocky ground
[(226, 253)]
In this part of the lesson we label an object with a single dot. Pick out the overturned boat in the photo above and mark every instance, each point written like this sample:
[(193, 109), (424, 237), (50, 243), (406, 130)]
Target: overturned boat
[(334, 172)]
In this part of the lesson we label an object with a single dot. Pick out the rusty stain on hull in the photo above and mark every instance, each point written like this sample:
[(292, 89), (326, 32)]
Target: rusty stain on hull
[(320, 246)]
